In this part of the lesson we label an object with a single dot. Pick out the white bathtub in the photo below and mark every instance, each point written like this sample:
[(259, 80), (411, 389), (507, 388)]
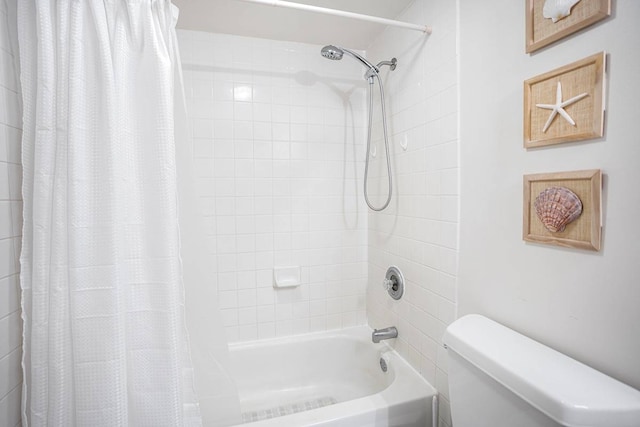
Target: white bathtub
[(329, 379)]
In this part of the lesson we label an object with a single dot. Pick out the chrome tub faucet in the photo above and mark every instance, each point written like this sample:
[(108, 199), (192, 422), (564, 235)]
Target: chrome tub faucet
[(384, 334)]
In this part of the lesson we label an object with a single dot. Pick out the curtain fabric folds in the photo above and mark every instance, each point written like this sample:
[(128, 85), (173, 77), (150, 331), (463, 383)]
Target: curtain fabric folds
[(105, 342)]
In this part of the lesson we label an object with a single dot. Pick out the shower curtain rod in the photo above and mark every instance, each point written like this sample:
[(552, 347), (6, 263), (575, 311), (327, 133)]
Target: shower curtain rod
[(280, 3)]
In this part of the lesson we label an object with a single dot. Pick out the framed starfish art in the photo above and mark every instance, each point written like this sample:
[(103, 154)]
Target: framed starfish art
[(566, 104), (550, 20)]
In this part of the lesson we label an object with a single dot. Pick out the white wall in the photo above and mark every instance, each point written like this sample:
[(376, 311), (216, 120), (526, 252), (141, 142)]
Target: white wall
[(10, 221), (418, 232), (278, 152), (582, 303)]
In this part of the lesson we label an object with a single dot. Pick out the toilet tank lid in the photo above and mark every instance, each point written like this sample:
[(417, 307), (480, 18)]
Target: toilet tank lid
[(568, 391)]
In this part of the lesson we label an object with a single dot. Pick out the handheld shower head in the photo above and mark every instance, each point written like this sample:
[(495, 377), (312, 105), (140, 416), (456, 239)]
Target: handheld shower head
[(335, 53), (332, 52)]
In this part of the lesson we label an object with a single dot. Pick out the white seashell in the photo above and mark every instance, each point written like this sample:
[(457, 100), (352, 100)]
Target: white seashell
[(558, 9)]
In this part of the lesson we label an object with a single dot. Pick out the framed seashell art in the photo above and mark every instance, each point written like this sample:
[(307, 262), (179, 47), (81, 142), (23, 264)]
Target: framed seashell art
[(563, 209), (565, 104), (550, 20)]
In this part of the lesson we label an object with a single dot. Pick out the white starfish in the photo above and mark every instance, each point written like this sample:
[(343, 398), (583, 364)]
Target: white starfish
[(558, 107)]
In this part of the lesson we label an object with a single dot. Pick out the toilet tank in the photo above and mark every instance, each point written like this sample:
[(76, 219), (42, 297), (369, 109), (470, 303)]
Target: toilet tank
[(500, 378)]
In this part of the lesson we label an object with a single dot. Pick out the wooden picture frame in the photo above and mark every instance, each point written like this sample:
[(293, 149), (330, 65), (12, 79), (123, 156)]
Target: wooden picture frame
[(582, 233), (541, 31), (585, 78)]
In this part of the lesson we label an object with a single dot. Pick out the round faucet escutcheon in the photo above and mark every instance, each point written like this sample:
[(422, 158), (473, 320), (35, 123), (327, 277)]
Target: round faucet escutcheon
[(394, 282)]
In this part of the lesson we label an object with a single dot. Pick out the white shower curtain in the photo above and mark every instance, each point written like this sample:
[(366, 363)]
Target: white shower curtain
[(103, 306)]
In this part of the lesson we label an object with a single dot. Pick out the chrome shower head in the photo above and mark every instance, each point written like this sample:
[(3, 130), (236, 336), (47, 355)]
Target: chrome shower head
[(335, 53), (332, 52)]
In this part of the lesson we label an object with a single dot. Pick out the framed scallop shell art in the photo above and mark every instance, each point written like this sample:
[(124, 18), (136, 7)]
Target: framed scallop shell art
[(550, 20), (563, 209)]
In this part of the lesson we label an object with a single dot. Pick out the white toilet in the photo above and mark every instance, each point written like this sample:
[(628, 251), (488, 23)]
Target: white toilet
[(499, 378)]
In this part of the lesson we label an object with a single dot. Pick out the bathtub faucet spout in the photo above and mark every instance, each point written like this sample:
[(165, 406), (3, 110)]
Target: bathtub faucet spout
[(384, 334)]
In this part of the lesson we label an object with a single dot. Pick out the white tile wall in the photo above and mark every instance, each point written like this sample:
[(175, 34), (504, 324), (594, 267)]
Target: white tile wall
[(10, 222), (419, 232), (277, 136)]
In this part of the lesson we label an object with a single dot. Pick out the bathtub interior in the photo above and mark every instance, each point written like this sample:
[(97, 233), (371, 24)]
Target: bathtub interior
[(287, 376), (318, 375)]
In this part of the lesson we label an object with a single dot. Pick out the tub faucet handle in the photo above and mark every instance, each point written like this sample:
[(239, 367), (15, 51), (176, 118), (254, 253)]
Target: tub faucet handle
[(393, 282)]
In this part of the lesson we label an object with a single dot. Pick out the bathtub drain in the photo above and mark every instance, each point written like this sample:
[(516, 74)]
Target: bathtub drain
[(287, 409), (383, 364)]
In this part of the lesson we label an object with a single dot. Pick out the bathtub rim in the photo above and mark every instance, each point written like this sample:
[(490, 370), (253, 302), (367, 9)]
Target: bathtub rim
[(360, 332)]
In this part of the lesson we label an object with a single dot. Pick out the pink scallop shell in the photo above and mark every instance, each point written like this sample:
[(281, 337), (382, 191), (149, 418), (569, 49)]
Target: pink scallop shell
[(556, 207)]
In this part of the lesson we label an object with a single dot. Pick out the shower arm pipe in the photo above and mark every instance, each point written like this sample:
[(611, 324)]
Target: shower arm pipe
[(280, 3)]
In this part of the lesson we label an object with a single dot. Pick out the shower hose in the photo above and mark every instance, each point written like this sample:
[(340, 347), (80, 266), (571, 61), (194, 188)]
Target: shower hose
[(386, 144)]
